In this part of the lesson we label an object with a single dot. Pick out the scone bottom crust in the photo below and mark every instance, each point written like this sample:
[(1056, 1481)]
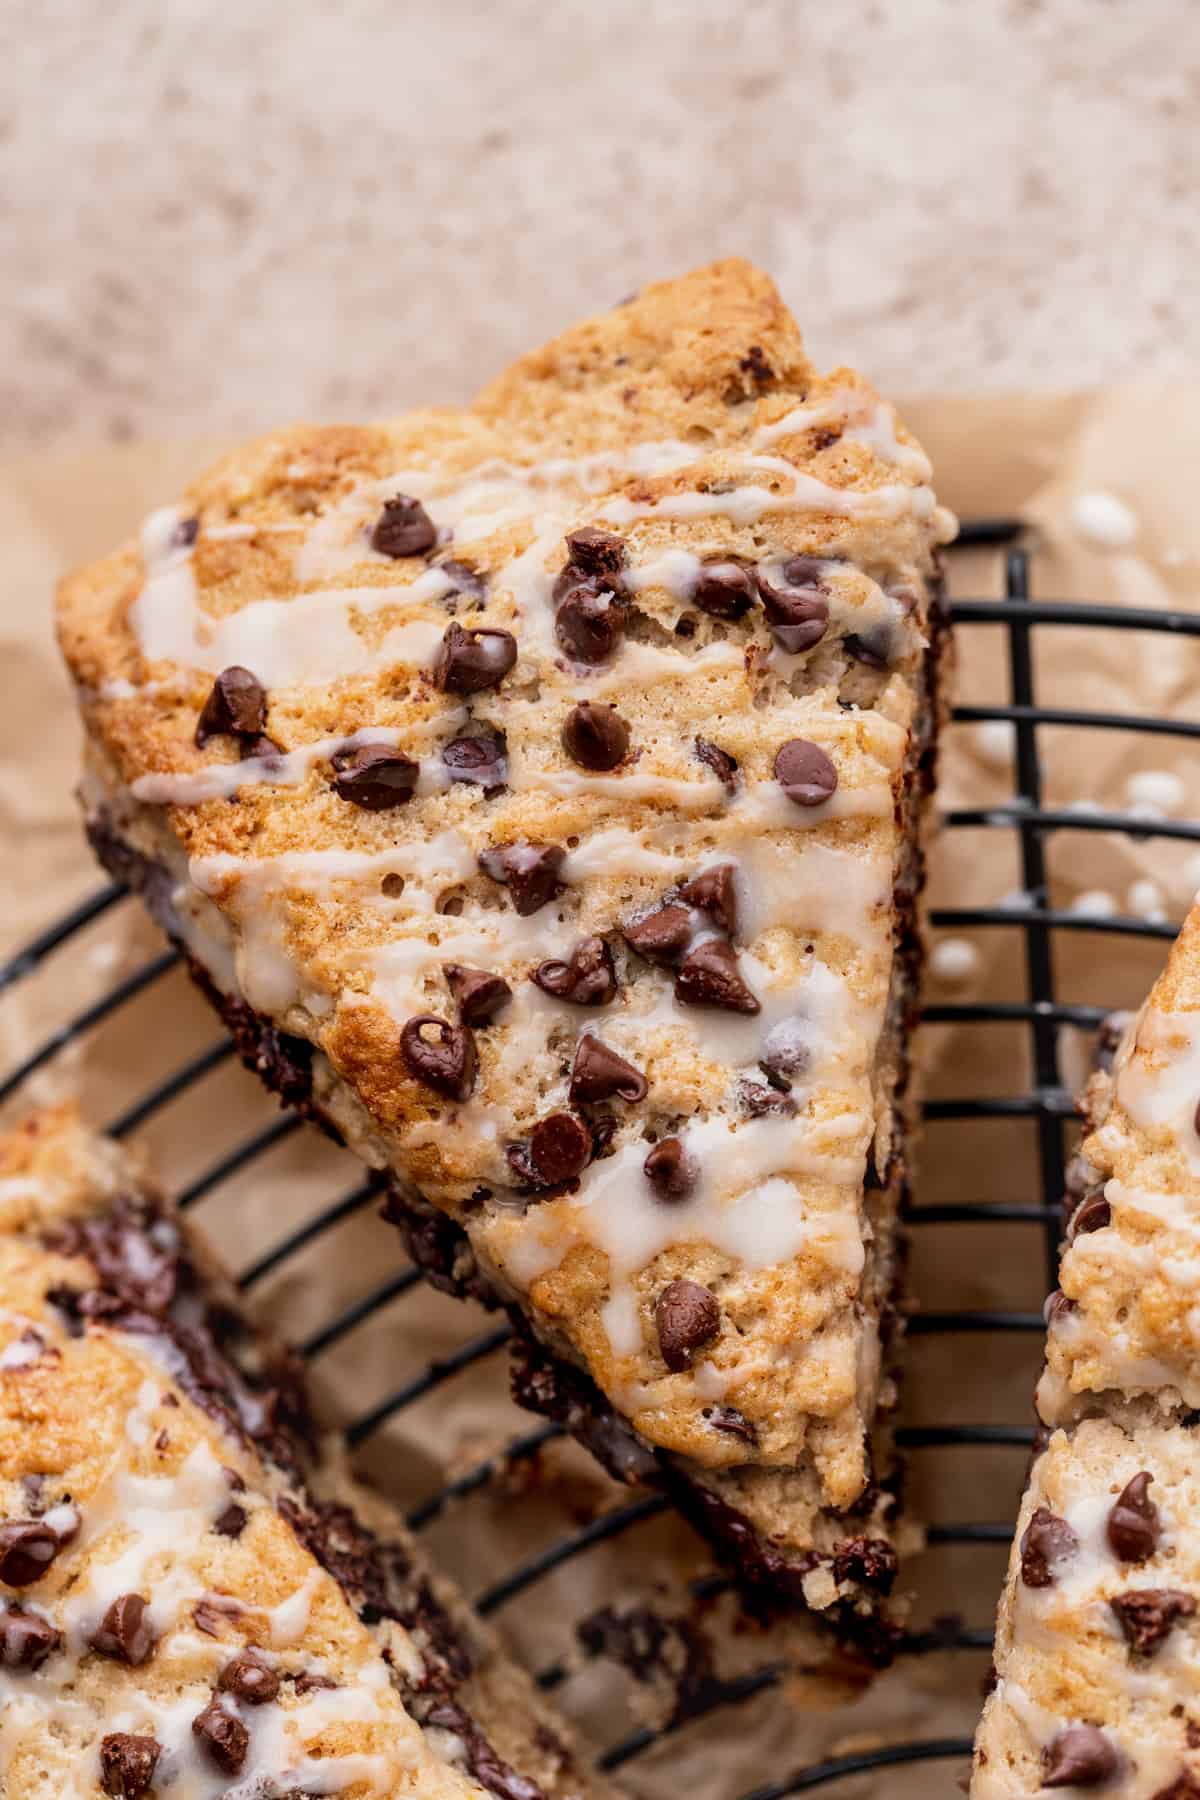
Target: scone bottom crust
[(555, 771)]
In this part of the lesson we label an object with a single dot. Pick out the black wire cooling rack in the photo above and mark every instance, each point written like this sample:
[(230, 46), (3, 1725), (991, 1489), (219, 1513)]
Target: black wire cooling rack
[(1047, 1105)]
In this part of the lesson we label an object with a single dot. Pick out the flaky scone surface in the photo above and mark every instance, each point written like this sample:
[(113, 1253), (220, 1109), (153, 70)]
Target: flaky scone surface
[(758, 575)]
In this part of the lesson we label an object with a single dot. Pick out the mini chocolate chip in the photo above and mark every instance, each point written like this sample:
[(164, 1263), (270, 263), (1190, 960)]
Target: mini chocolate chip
[(713, 892), (587, 978), (872, 1562), (27, 1548), (724, 589), (560, 1147), (1146, 1615), (758, 1100), (223, 1736), (687, 1316), (1057, 1307), (374, 777), (871, 648), (596, 552), (530, 872), (755, 365), (1093, 1215), (232, 1522), (732, 1422), (237, 705), (482, 760), (467, 662), (1133, 1525), (803, 571), (804, 772), (466, 579), (251, 1678), (798, 614), (185, 534), (309, 1682), (786, 1051), (588, 624), (723, 766), (26, 1639), (447, 1065), (596, 737), (598, 1073), (127, 1764), (709, 976), (670, 1171), (662, 936), (1047, 1543), (1078, 1756), (478, 994), (124, 1633), (259, 749), (403, 528)]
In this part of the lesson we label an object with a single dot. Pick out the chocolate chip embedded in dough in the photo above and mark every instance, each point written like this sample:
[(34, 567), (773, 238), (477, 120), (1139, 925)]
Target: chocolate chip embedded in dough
[(713, 892), (468, 661), (445, 1061), (1133, 1524), (560, 1148), (127, 1764), (531, 872), (26, 1639), (724, 589), (805, 772), (871, 1562), (237, 705), (598, 1073), (1146, 1615), (27, 1548), (375, 777), (232, 1522), (403, 528), (1093, 1214), (709, 976), (250, 1677), (588, 623), (596, 552), (587, 978), (1048, 1542), (596, 737), (478, 993), (687, 1317), (223, 1736), (871, 648), (723, 766), (760, 1101), (670, 1170), (733, 1423), (798, 614), (466, 579), (480, 759), (124, 1633), (662, 936), (1079, 1756)]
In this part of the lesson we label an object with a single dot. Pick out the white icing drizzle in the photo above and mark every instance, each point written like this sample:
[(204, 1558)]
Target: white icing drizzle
[(219, 780), (1158, 1081)]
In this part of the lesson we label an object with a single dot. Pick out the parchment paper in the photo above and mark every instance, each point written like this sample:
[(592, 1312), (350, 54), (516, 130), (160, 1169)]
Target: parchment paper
[(994, 455)]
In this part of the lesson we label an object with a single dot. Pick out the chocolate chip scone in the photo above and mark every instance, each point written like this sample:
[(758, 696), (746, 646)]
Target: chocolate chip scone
[(1098, 1637), (195, 1599), (538, 789)]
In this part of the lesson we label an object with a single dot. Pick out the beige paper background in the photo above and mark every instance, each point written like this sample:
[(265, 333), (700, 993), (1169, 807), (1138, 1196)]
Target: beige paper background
[(995, 455)]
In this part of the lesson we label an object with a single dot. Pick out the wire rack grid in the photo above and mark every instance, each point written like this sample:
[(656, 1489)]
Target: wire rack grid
[(1046, 1104)]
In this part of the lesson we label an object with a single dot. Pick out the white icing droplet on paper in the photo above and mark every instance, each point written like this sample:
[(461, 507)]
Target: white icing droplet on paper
[(1103, 521), (995, 741), (1096, 903), (954, 959), (1147, 900), (1160, 788)]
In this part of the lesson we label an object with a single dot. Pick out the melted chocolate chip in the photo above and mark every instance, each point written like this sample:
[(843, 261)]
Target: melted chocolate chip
[(560, 1148), (223, 1737), (799, 613), (530, 872), (26, 1639), (478, 994), (1047, 1543), (805, 773), (236, 705), (760, 1101), (446, 1063), (1093, 1215), (724, 589), (124, 1632), (871, 1562), (709, 976), (662, 936), (251, 1678), (309, 1682), (587, 978), (732, 1422), (714, 893), (403, 528), (467, 662), (686, 1316), (670, 1171), (598, 1073), (466, 579), (596, 737), (232, 1522), (27, 1548), (482, 760), (596, 552), (1146, 1615), (1078, 1756), (374, 777), (589, 624), (1133, 1525), (127, 1764), (723, 766), (260, 749), (871, 648)]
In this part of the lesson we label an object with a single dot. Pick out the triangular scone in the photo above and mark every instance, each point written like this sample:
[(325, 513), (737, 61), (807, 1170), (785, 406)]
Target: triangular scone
[(562, 791), (1098, 1638), (194, 1596)]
